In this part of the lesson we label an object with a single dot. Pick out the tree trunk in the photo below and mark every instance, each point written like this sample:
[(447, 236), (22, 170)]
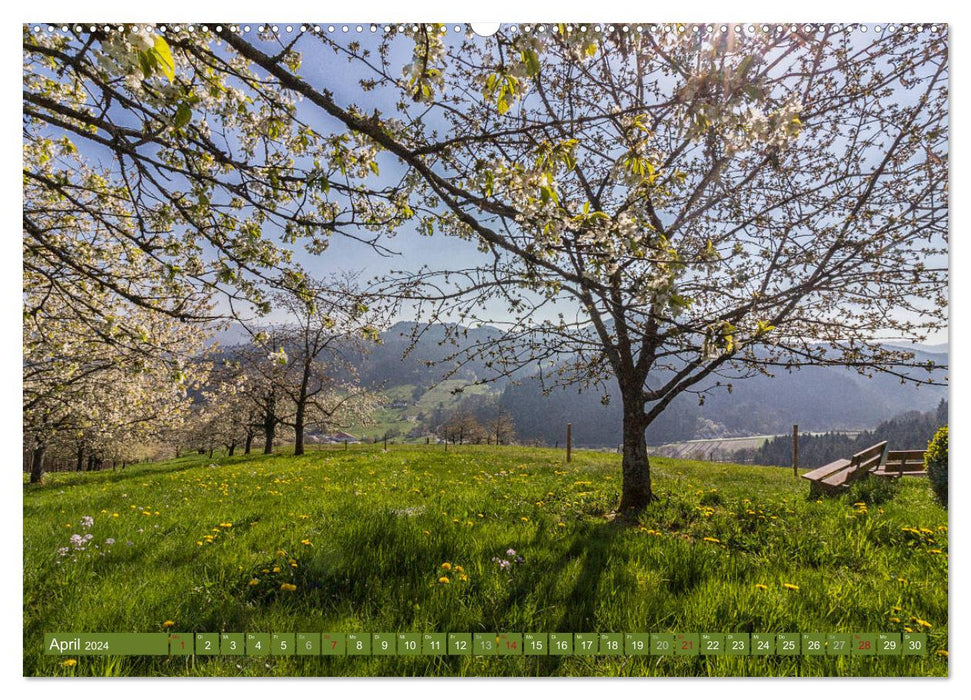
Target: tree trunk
[(298, 429), (269, 429), (636, 494), (37, 464), (79, 466), (232, 448), (248, 445)]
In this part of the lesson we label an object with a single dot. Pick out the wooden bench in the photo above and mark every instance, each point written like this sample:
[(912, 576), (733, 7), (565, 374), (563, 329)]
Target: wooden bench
[(902, 463), (837, 476)]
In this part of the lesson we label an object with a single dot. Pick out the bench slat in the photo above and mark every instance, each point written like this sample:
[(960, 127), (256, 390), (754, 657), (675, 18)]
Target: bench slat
[(841, 477), (822, 472)]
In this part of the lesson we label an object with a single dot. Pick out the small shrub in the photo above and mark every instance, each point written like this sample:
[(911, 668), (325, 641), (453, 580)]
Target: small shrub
[(936, 461), (872, 490)]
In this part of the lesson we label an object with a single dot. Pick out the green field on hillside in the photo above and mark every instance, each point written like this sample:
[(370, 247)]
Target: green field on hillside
[(419, 406), (412, 540)]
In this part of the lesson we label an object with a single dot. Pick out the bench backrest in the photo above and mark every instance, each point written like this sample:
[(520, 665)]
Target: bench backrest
[(870, 458), (905, 461)]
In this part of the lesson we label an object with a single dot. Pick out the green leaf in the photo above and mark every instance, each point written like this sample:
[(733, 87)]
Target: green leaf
[(532, 62), (165, 61), (183, 115)]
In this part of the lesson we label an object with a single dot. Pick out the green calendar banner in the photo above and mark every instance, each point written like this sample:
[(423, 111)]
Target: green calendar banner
[(686, 644), (409, 644), (787, 643), (459, 644), (434, 644), (662, 644), (535, 644), (308, 644), (333, 644), (914, 644), (207, 643), (232, 644), (838, 644), (763, 644), (358, 644), (284, 644), (813, 644), (738, 643), (586, 643), (510, 643), (384, 644), (485, 643), (561, 644), (257, 644), (712, 644), (888, 644), (303, 644), (106, 644), (181, 644), (637, 644)]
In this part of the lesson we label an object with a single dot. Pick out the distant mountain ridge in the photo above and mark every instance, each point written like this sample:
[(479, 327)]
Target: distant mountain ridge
[(816, 398)]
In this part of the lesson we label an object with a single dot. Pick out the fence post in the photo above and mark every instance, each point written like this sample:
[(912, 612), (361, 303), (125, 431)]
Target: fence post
[(795, 450), (569, 440)]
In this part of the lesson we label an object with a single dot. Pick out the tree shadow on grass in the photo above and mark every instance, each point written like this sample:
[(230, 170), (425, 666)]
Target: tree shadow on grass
[(592, 544), (104, 476)]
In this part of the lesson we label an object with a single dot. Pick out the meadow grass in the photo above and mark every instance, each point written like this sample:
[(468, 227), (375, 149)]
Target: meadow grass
[(363, 535)]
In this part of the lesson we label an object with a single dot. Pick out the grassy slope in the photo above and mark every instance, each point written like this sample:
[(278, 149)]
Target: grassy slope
[(379, 525), (404, 419)]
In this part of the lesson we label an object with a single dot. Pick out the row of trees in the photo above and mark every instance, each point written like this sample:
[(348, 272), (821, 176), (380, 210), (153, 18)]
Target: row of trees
[(908, 431), (287, 379), (711, 204)]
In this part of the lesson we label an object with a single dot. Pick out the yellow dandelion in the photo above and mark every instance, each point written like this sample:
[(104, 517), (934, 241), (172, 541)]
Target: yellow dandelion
[(713, 540), (199, 542), (524, 519), (168, 623), (443, 579), (463, 577), (287, 587), (895, 619), (935, 551), (254, 581), (446, 566), (459, 569), (790, 586), (425, 532), (306, 543), (225, 524), (908, 629), (924, 623), (901, 579), (942, 652), (561, 524), (114, 515), (761, 587), (74, 662), (281, 553)]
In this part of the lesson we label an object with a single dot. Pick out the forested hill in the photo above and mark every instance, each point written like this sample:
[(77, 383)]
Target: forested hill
[(908, 431), (817, 398)]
